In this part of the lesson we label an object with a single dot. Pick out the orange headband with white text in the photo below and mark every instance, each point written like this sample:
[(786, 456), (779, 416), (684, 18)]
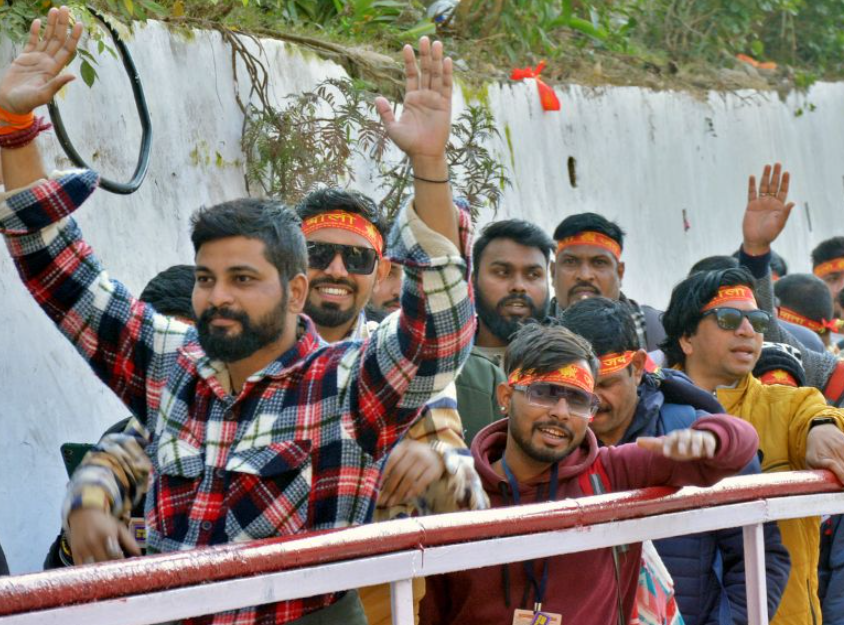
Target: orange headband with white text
[(570, 375), (610, 363), (595, 239), (831, 266), (792, 316), (730, 294), (346, 221)]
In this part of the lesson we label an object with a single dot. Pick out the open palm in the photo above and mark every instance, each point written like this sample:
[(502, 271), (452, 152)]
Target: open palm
[(767, 211), (34, 77), (423, 127)]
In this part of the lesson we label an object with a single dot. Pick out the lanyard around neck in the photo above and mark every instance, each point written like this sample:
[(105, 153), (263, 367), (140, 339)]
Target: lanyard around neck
[(538, 587)]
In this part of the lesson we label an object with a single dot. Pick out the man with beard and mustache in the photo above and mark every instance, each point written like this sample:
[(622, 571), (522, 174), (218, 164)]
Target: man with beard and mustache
[(510, 275), (714, 330), (430, 470), (708, 569), (544, 450), (259, 429), (588, 264)]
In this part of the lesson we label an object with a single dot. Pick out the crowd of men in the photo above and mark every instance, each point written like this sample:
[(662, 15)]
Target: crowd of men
[(318, 368)]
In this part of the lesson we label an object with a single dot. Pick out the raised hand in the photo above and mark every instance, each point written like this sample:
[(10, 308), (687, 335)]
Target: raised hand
[(34, 77), (767, 211), (423, 127)]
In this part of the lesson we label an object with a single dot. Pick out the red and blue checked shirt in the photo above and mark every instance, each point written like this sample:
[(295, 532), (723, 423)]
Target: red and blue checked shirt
[(298, 448)]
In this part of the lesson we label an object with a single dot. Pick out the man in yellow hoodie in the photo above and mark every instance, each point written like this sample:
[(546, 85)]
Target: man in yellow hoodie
[(714, 331)]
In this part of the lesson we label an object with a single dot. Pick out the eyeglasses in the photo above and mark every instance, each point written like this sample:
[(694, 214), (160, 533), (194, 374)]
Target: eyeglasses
[(546, 395), (359, 260), (731, 318)]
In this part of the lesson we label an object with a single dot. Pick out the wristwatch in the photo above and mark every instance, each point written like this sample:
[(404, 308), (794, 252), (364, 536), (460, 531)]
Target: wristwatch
[(822, 421)]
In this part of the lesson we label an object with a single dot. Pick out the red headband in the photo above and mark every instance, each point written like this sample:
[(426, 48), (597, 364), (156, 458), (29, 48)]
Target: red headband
[(831, 266), (346, 221), (792, 316), (730, 294), (610, 363), (595, 239), (570, 375)]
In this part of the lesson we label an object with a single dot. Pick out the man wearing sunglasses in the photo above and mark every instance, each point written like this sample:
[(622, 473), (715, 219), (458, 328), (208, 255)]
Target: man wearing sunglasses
[(544, 450), (708, 569), (254, 434), (714, 331), (430, 469)]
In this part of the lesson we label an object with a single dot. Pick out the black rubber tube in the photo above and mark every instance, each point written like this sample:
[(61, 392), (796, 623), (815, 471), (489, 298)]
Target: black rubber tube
[(143, 112)]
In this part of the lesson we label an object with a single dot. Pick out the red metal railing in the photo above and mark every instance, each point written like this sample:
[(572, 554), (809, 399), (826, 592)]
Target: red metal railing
[(41, 591)]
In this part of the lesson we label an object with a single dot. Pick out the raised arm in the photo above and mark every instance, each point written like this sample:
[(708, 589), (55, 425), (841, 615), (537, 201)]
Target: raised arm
[(123, 340), (422, 132), (765, 217), (413, 356)]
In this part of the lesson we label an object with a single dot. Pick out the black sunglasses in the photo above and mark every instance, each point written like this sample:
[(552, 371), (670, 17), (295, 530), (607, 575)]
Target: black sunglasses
[(731, 318), (360, 260)]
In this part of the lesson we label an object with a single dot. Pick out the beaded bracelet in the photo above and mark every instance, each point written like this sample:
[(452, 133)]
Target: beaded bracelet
[(21, 137)]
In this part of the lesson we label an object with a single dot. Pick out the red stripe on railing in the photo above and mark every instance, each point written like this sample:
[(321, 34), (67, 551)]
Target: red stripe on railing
[(40, 591)]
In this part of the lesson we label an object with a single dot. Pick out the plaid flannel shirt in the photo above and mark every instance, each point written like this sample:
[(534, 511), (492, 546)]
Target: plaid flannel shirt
[(299, 447)]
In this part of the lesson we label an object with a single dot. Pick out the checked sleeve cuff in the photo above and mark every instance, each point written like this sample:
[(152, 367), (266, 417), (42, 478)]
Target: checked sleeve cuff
[(45, 202)]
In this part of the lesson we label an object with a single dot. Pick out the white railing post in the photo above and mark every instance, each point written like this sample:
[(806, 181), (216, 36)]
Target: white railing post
[(401, 601), (754, 567)]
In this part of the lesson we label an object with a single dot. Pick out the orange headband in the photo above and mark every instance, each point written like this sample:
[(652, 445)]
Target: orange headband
[(591, 238), (792, 316), (570, 375), (831, 266), (346, 221), (730, 294), (610, 363), (778, 376)]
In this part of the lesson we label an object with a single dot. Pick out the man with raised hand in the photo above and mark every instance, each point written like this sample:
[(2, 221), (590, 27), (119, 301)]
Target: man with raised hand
[(714, 329), (258, 428), (430, 470), (765, 217)]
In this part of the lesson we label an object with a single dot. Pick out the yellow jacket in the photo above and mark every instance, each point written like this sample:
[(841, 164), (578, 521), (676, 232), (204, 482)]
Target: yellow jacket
[(781, 416)]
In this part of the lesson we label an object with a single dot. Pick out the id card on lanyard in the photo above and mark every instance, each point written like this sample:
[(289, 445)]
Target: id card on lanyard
[(536, 616)]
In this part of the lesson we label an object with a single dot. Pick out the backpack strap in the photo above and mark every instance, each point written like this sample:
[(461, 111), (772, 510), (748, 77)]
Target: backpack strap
[(834, 391), (595, 481)]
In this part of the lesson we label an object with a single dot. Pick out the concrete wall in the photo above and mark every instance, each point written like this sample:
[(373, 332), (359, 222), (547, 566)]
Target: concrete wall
[(641, 158)]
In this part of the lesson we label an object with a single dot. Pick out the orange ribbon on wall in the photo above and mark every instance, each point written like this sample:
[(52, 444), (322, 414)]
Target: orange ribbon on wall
[(547, 97)]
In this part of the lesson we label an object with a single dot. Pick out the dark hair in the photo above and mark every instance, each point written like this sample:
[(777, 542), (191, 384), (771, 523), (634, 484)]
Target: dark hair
[(687, 302), (270, 222), (805, 294), (841, 298), (589, 222), (541, 348), (170, 292), (327, 200), (714, 263), (607, 324), (518, 230), (828, 250)]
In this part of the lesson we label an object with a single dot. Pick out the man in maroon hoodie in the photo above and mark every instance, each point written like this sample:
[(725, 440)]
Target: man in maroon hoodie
[(544, 450)]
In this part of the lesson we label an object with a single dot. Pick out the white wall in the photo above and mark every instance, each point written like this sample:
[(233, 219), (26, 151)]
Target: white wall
[(641, 158)]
